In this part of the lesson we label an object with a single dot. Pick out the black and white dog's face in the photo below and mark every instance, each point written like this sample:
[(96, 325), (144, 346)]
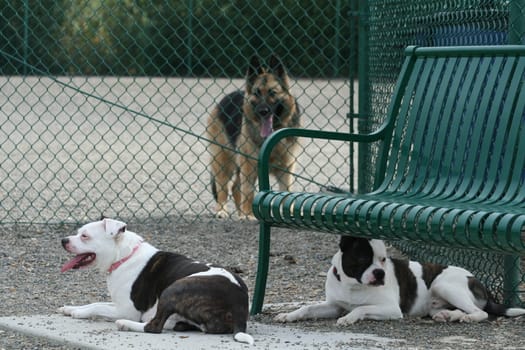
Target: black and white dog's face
[(363, 260)]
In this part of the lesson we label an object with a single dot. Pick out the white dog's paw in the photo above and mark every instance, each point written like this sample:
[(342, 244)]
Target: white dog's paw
[(474, 317), (283, 318), (352, 317), (75, 311), (66, 310), (129, 326), (348, 320), (122, 325), (449, 316), (441, 316), (466, 318)]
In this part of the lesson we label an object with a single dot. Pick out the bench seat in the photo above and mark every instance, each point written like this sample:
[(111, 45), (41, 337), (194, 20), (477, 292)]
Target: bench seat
[(462, 223)]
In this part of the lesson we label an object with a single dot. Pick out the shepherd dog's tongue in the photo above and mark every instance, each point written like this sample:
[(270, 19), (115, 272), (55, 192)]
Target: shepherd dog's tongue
[(267, 127), (78, 261)]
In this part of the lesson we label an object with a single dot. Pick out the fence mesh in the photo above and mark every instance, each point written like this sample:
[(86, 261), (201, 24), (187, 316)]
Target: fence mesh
[(103, 104), (391, 25)]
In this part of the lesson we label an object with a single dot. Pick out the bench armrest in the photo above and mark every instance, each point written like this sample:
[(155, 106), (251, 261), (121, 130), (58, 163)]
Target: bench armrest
[(273, 140)]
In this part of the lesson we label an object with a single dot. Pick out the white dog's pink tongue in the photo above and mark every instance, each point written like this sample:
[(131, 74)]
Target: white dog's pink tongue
[(267, 127), (78, 261)]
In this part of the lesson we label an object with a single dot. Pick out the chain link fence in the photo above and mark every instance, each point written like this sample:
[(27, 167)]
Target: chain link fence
[(103, 104), (393, 25), (388, 27)]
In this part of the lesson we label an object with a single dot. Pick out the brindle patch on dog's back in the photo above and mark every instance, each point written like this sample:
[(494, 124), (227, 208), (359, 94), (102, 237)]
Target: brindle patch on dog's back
[(407, 284), (430, 272), (477, 288)]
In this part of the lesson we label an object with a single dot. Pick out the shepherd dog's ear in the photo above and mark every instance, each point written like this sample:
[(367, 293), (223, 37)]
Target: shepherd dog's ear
[(277, 68), (254, 70), (276, 65)]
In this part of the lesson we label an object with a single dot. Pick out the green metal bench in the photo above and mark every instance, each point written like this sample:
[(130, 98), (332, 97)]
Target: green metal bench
[(451, 163)]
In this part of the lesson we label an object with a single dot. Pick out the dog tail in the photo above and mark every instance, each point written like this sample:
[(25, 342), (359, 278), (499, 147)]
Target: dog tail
[(514, 312), (242, 337), (501, 310), (239, 327)]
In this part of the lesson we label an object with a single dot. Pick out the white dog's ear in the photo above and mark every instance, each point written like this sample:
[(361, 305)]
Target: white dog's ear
[(114, 227)]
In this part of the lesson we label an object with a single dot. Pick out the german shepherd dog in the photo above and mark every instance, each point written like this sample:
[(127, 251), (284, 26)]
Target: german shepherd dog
[(240, 123)]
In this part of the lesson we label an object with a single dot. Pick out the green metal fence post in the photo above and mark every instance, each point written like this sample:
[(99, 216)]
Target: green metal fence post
[(26, 36), (364, 90), (516, 22), (336, 62), (511, 263), (352, 59), (189, 40)]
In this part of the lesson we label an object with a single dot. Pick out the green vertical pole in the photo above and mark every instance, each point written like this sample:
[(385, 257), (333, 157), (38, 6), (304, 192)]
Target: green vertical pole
[(189, 40), (352, 115), (511, 263), (337, 63), (364, 93), (26, 36), (516, 22)]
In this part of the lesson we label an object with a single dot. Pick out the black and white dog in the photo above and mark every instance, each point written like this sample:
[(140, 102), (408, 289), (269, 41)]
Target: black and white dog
[(153, 290), (363, 283)]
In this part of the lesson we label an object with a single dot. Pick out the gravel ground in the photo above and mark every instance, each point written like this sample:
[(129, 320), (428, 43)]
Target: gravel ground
[(30, 260)]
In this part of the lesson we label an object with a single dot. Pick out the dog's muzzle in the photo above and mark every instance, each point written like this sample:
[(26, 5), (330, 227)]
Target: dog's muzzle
[(263, 110), (266, 115), (379, 277)]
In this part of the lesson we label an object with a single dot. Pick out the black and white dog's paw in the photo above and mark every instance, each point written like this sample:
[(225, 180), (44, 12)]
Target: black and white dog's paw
[(349, 319), (65, 310), (73, 311), (284, 317), (129, 326)]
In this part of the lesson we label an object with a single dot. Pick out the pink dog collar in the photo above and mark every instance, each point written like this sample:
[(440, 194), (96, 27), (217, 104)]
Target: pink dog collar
[(117, 264)]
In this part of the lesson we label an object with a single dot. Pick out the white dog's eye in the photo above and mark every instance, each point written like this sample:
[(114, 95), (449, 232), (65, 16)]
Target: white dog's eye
[(84, 237)]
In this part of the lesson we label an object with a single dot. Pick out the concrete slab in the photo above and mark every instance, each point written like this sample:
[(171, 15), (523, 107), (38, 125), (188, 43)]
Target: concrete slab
[(98, 334)]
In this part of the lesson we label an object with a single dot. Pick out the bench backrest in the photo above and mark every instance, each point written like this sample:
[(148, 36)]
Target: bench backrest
[(457, 125)]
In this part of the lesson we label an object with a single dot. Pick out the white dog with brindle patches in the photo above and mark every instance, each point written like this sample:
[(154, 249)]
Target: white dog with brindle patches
[(363, 283), (152, 290)]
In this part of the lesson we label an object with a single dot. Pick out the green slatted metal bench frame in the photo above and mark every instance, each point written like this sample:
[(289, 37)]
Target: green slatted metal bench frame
[(451, 162)]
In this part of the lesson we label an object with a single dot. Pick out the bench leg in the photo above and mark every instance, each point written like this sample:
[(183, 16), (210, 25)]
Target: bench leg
[(262, 268)]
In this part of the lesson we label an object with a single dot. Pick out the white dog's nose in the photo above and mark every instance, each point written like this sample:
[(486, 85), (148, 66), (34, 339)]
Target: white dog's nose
[(65, 242)]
